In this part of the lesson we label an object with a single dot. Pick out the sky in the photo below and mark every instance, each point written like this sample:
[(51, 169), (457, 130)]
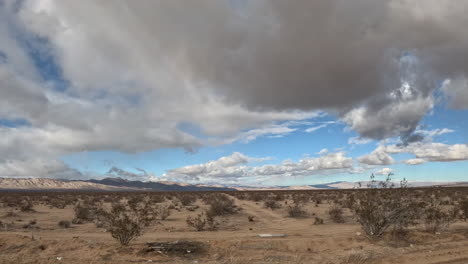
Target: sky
[(234, 92)]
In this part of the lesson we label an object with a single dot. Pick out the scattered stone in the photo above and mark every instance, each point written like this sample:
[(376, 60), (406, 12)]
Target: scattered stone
[(271, 235)]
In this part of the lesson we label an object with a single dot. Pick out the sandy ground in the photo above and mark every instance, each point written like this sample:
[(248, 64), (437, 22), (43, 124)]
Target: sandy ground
[(235, 242)]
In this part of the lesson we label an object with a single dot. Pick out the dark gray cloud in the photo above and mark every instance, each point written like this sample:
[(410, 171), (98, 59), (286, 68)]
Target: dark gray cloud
[(234, 71), (379, 56)]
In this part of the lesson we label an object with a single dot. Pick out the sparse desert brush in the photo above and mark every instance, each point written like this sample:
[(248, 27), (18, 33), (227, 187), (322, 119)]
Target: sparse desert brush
[(436, 217), (26, 206), (10, 214), (271, 204), (85, 213), (382, 206), (157, 198), (463, 207), (124, 224), (64, 223), (318, 221), (256, 196), (296, 211), (221, 204), (202, 221), (336, 213), (162, 211), (187, 199)]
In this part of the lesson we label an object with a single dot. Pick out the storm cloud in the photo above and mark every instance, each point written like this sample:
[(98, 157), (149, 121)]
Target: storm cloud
[(229, 70)]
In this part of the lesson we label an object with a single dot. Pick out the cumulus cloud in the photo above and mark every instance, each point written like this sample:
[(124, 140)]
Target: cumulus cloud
[(385, 171), (423, 152), (414, 161), (456, 90), (235, 168), (377, 157)]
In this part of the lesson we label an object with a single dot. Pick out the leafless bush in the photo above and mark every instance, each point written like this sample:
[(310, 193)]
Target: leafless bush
[(202, 222), (336, 214), (162, 211)]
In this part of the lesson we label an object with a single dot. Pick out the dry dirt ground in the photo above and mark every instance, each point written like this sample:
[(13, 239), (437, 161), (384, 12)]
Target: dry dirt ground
[(236, 241)]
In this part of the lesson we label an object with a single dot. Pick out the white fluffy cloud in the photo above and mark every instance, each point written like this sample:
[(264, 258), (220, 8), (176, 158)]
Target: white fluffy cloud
[(235, 169), (385, 171), (377, 157), (423, 152), (414, 161)]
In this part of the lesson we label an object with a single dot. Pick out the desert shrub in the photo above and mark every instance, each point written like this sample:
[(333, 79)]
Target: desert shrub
[(336, 214), (318, 221), (26, 206), (256, 196), (220, 204), (202, 222), (251, 218), (436, 218), (296, 211), (463, 207), (271, 204), (382, 206), (64, 223), (187, 199), (85, 213), (10, 214), (162, 211), (300, 198), (124, 224)]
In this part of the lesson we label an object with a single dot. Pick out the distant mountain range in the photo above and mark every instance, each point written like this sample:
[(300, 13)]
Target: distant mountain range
[(107, 184), (119, 184)]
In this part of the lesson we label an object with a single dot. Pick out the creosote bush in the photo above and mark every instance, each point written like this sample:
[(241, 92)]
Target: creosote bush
[(382, 206), (220, 204), (201, 222), (124, 224)]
